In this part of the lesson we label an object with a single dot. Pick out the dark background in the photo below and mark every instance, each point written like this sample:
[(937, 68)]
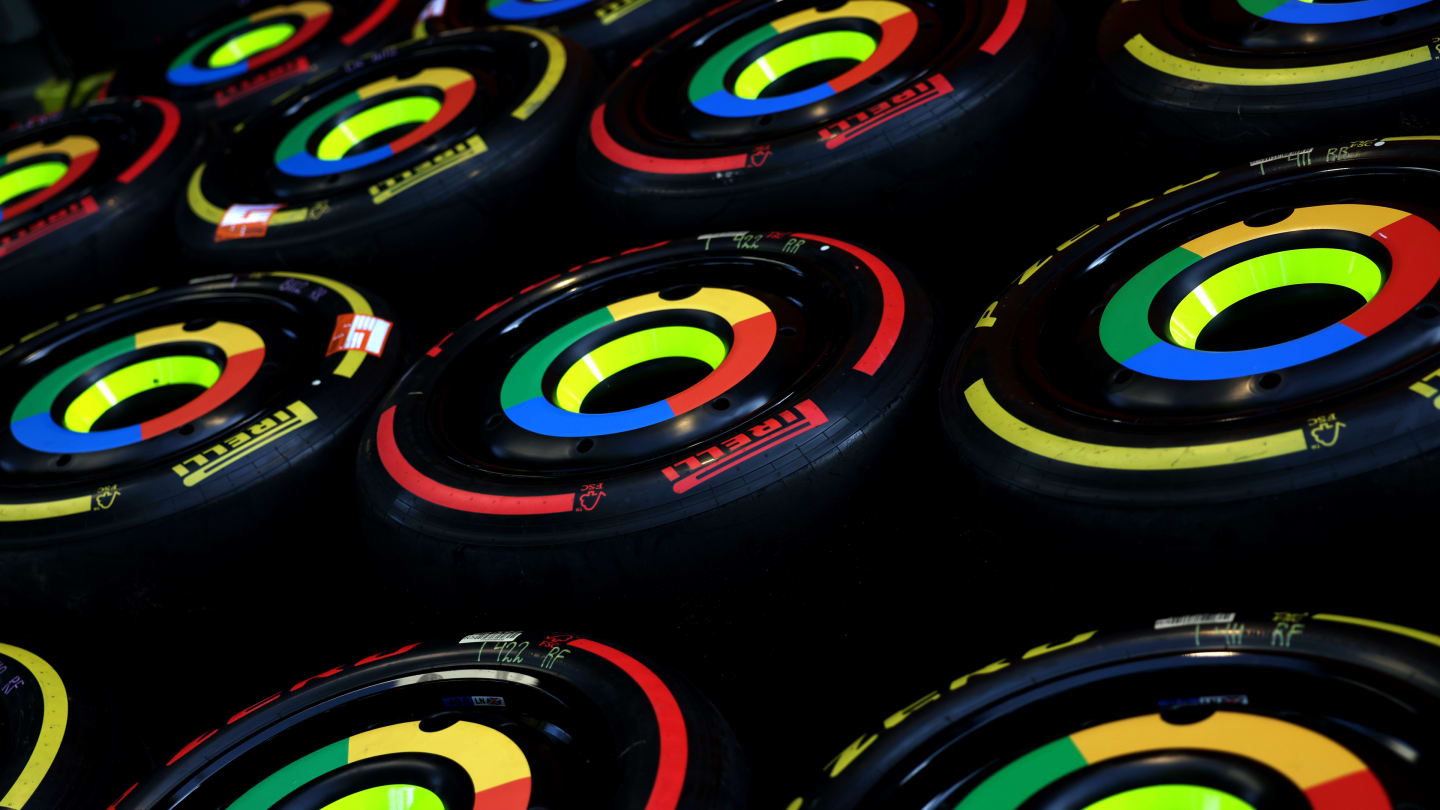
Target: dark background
[(903, 592)]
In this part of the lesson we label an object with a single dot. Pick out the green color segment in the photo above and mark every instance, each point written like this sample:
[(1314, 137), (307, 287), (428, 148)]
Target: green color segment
[(294, 141), (1125, 324), (632, 350), (240, 48), (389, 797), (188, 55), (366, 123), (137, 378), (710, 78), (1261, 7), (1171, 797), (283, 782), (40, 398), (523, 381), (1271, 271), (796, 54), (30, 178), (1009, 787)]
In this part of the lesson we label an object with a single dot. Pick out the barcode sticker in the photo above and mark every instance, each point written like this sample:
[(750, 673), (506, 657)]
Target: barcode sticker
[(354, 332), (1199, 618), (478, 638)]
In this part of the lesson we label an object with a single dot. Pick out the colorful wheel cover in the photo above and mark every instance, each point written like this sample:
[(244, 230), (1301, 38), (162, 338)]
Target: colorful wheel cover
[(1271, 727), (1281, 344), (497, 721)]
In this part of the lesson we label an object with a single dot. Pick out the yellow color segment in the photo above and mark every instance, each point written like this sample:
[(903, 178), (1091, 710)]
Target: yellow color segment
[(305, 9), (490, 758), (55, 715), (554, 49), (732, 305), (1362, 219), (438, 77), (1117, 457), (16, 512), (1146, 52), (876, 10), (232, 337), (1303, 756), (1418, 635), (72, 145)]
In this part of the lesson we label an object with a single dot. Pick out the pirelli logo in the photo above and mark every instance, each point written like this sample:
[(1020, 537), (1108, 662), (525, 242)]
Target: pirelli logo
[(243, 442), (413, 176), (788, 424), (615, 9), (917, 95)]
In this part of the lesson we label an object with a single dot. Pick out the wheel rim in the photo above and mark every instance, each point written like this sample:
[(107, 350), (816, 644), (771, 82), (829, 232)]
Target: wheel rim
[(36, 172), (248, 43)]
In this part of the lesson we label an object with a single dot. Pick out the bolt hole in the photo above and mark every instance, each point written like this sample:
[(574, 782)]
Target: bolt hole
[(494, 421), (1426, 311), (1270, 381), (1270, 217), (186, 430), (1260, 25), (438, 723), (679, 293), (332, 179), (1186, 715), (721, 404), (198, 324), (584, 445), (787, 331), (1389, 19), (62, 461), (1122, 376), (765, 120), (877, 79)]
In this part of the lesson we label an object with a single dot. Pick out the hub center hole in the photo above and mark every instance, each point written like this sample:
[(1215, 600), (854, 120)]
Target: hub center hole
[(640, 368), (804, 63), (141, 391)]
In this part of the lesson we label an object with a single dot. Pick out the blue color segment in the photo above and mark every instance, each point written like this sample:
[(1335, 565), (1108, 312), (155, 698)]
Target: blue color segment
[(190, 75), (516, 10), (304, 164), (537, 415), (39, 432), (1302, 13), (724, 104), (1170, 362)]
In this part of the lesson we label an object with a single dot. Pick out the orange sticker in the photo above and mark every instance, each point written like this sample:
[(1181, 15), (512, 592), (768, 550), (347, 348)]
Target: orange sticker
[(245, 221), (355, 332)]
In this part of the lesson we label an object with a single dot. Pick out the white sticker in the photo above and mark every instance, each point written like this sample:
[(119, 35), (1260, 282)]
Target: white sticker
[(1199, 618), (434, 9), (487, 637), (245, 221), (354, 332)]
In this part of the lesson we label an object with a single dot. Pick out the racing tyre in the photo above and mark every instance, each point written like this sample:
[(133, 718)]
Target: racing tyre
[(675, 415), (232, 64), (84, 201), (151, 439), (52, 756), (421, 156), (818, 115), (1243, 74), (1282, 710), (496, 720), (1244, 362), (613, 31)]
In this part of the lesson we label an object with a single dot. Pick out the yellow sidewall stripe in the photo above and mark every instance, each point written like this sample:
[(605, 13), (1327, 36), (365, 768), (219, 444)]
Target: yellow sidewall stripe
[(548, 82), (1116, 457), (350, 363), (14, 512), (211, 213), (1153, 57), (52, 726), (1418, 635)]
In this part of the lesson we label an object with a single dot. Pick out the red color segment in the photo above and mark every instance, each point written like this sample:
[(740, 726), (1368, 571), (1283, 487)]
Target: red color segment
[(456, 97), (674, 744), (78, 166), (1358, 791), (239, 370), (618, 154), (896, 34), (1009, 23), (168, 127), (753, 339), (368, 24), (509, 796), (892, 309), (1413, 244), (417, 484), (308, 29)]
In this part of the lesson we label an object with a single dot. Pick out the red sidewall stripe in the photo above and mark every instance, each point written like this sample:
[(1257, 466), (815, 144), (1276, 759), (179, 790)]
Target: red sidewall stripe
[(368, 24), (1009, 23), (168, 129), (618, 154), (421, 486), (674, 742), (892, 297)]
